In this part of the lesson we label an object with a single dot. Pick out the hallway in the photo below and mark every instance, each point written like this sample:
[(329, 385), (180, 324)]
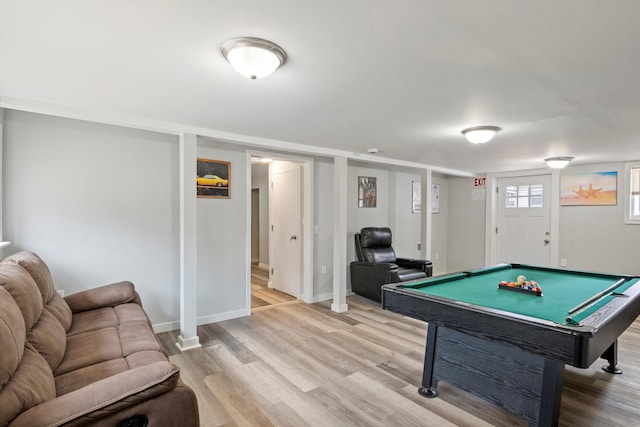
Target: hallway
[(261, 295)]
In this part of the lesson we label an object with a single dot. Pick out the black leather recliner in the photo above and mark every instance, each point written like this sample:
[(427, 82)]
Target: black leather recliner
[(377, 264)]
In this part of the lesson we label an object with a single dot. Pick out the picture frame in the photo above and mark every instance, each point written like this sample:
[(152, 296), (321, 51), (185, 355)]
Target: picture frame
[(416, 197), (367, 192), (435, 198), (213, 179), (589, 189)]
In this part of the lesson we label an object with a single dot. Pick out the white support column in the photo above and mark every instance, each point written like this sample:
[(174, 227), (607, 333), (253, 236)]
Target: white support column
[(188, 337), (339, 235), (426, 217)]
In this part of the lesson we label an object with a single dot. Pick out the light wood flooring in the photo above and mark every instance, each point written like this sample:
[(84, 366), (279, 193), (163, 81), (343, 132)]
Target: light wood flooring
[(263, 296), (303, 365)]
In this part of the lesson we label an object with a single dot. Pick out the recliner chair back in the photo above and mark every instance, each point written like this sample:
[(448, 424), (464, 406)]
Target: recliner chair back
[(374, 245)]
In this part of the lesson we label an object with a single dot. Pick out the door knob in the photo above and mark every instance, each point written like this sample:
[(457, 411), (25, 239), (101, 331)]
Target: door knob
[(546, 242), (293, 238)]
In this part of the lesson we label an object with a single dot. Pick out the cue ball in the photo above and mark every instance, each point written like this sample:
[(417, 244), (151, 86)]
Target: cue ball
[(522, 279)]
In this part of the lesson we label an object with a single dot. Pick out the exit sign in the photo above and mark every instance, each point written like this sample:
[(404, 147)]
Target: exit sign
[(480, 182)]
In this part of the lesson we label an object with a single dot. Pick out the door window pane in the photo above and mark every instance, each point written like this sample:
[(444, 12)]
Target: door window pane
[(524, 196)]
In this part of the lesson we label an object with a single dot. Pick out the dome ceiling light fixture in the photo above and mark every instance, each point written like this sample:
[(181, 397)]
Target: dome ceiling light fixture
[(558, 162), (253, 57), (480, 134)]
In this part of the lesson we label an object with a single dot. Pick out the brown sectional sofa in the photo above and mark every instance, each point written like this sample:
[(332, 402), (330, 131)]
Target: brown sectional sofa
[(87, 359)]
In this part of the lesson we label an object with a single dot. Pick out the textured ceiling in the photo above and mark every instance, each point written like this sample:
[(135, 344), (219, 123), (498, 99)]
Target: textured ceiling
[(560, 77)]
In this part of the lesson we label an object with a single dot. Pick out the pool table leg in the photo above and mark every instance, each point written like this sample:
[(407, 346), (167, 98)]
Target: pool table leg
[(428, 388), (611, 354)]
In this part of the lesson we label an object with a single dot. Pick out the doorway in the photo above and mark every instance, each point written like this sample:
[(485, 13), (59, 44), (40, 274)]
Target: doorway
[(282, 271), (524, 220)]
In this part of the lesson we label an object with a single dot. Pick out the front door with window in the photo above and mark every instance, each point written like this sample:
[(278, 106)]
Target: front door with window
[(524, 214)]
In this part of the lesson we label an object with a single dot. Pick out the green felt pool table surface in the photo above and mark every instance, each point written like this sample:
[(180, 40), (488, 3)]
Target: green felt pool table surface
[(562, 290)]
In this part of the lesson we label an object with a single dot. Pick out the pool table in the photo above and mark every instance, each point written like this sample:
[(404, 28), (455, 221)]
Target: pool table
[(510, 347)]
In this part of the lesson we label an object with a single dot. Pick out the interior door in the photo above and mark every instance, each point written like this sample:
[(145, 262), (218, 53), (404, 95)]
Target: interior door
[(285, 242), (524, 219)]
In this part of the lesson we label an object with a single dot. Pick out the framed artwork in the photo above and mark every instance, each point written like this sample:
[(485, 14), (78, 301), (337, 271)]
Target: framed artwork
[(589, 189), (416, 197), (367, 192), (213, 179), (435, 198)]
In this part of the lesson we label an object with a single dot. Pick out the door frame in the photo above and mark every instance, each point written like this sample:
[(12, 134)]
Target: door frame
[(306, 196), (491, 240)]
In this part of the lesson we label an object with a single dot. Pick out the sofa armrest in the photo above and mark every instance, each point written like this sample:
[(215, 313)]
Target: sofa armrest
[(420, 264), (103, 398), (103, 296)]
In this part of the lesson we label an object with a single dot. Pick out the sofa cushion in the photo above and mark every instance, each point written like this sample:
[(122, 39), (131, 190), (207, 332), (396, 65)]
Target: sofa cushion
[(12, 337), (30, 385), (40, 273), (79, 378), (49, 339), (89, 348), (92, 320), (24, 291)]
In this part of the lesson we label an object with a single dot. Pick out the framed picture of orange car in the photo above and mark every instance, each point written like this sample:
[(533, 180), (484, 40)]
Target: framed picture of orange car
[(213, 179)]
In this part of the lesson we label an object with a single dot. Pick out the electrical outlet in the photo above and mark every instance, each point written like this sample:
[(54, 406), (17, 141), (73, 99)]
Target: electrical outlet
[(324, 269), (563, 262)]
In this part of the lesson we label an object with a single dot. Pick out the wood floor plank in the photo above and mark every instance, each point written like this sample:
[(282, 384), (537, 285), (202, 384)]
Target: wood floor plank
[(304, 365)]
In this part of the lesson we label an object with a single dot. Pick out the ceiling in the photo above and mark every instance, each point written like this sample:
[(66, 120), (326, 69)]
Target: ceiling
[(561, 78)]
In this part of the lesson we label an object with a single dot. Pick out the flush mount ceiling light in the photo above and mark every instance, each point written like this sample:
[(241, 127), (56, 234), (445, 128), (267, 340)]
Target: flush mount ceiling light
[(252, 57), (558, 162), (480, 134)]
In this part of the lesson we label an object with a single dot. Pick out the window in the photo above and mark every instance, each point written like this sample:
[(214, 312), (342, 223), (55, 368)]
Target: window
[(524, 196), (632, 193)]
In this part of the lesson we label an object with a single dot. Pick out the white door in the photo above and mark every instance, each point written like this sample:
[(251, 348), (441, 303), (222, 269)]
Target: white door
[(285, 242), (524, 212)]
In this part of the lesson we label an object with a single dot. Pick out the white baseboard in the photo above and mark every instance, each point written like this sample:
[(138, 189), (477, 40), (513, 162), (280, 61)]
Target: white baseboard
[(326, 297), (214, 318), (185, 344), (322, 297), (172, 326), (262, 266)]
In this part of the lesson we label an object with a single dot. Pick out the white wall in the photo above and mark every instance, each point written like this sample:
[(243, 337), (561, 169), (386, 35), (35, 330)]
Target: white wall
[(222, 239), (394, 210), (595, 238), (1, 187), (358, 218), (260, 181), (440, 228), (466, 230), (404, 224), (98, 203), (323, 229)]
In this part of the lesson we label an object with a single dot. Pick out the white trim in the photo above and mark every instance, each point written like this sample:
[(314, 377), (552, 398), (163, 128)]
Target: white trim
[(322, 297), (185, 344), (248, 236), (340, 173), (144, 123), (491, 242), (263, 266), (159, 328), (4, 244), (306, 166), (220, 317), (188, 146), (626, 191)]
